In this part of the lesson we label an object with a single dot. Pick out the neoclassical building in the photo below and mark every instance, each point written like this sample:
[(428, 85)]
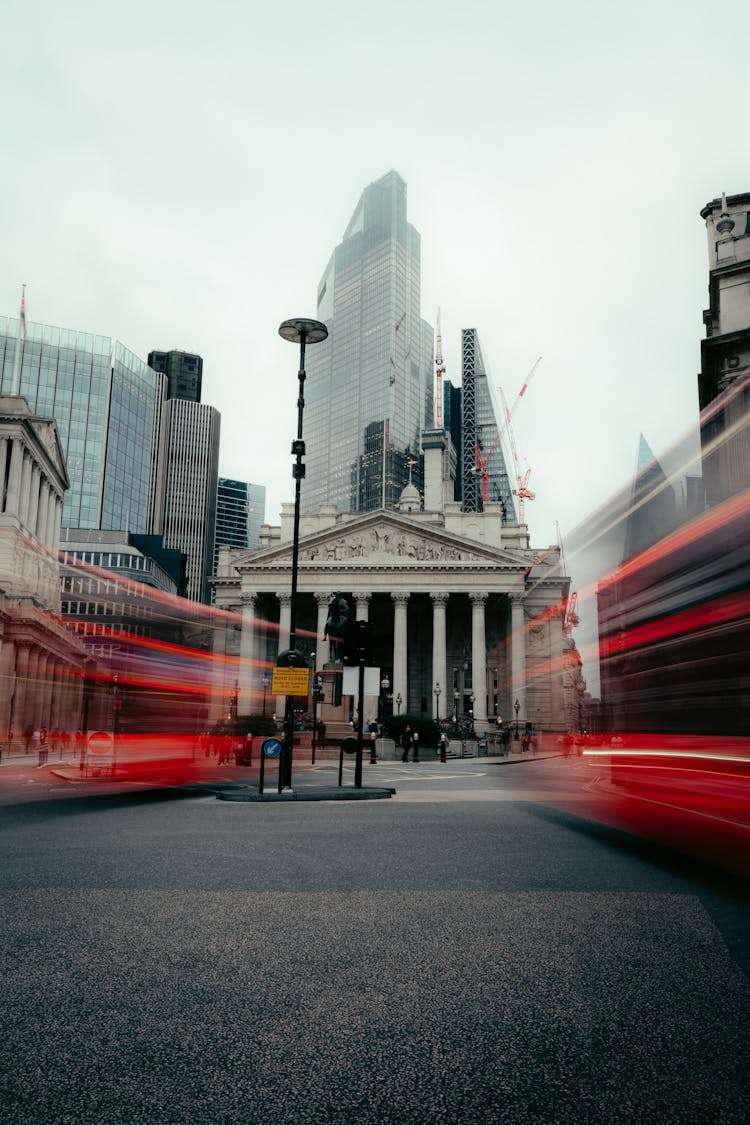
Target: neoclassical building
[(465, 615), (41, 662)]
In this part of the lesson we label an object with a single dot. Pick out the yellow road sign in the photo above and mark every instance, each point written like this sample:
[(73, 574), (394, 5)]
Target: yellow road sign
[(290, 681)]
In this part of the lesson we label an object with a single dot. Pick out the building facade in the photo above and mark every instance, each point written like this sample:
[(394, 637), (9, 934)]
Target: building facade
[(483, 469), (465, 617), (41, 662), (184, 372), (369, 390), (191, 480), (240, 514), (108, 405), (724, 380)]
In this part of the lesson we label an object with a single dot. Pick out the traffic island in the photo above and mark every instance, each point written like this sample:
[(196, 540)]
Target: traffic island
[(307, 793)]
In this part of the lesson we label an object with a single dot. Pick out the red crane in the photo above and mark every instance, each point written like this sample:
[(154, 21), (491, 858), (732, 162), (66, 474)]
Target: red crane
[(522, 490), (439, 372), (481, 467)]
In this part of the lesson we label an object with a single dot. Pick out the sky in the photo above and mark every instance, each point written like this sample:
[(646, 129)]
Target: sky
[(177, 176)]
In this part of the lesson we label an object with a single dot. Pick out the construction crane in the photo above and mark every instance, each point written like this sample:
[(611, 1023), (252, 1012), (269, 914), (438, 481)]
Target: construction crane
[(439, 372), (570, 617), (522, 490), (481, 467)]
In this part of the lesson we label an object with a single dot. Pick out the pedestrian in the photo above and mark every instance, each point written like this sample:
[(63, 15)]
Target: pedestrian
[(406, 743), (415, 747), (443, 746)]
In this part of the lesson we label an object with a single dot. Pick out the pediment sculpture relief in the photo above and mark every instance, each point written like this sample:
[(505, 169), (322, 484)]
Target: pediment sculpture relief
[(384, 543)]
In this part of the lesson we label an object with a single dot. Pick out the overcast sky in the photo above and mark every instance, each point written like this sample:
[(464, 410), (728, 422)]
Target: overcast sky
[(176, 176)]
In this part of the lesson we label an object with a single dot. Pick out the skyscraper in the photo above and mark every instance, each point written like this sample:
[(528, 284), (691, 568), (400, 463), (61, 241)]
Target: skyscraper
[(191, 472), (240, 513), (483, 468), (191, 481), (184, 373), (369, 386), (108, 405)]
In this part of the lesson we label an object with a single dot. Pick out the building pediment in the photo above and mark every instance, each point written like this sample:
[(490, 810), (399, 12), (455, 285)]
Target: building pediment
[(49, 440), (381, 540)]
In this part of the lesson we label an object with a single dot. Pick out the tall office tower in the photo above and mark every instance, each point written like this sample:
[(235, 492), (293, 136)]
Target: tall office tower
[(108, 407), (452, 425), (191, 480), (240, 514), (724, 380), (482, 472), (184, 373), (369, 385)]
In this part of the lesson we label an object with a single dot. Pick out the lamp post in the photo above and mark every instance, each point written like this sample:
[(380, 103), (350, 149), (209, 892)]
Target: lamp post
[(437, 703), (302, 331), (516, 708), (455, 708), (265, 690), (399, 701)]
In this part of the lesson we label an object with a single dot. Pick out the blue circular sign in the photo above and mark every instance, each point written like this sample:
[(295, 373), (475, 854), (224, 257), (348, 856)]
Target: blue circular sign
[(272, 748)]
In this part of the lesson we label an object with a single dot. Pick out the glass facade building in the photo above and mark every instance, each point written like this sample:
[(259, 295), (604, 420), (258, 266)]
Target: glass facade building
[(480, 431), (190, 489), (369, 390), (107, 404)]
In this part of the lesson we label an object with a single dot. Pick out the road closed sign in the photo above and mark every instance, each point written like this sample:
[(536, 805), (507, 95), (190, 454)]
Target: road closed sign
[(290, 681), (101, 743)]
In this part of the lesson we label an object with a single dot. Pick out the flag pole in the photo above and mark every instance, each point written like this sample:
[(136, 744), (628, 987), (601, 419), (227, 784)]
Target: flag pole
[(17, 356)]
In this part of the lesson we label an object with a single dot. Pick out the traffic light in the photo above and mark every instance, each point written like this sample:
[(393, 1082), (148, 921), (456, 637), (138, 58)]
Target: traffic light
[(356, 648)]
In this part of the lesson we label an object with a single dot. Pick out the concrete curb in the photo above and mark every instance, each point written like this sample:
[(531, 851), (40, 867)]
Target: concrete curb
[(316, 793)]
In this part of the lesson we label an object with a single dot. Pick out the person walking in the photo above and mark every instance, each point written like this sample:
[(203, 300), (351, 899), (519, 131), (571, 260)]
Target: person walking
[(406, 743)]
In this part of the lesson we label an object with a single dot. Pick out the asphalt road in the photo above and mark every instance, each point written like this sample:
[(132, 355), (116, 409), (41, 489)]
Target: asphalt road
[(475, 949)]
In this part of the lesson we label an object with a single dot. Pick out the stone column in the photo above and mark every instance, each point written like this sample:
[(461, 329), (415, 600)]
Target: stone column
[(400, 654), (25, 498), (518, 656), (19, 718), (52, 534), (41, 516), (7, 679), (13, 496), (439, 657), (247, 670), (479, 659), (362, 607), (322, 647), (34, 497), (45, 673), (285, 624)]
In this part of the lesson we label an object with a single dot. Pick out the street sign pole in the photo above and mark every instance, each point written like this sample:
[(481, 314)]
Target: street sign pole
[(360, 722)]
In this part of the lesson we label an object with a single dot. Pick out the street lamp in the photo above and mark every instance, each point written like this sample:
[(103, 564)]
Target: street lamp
[(302, 331), (455, 707), (437, 703), (516, 708), (399, 701)]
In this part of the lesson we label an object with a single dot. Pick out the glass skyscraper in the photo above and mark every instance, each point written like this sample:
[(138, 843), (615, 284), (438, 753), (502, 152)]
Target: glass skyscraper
[(107, 404), (369, 390), (483, 465)]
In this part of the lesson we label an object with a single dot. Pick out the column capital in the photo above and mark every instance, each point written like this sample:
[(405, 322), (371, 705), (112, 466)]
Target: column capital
[(321, 597), (363, 597), (478, 597), (285, 600), (400, 599), (517, 599), (248, 600), (439, 598)]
